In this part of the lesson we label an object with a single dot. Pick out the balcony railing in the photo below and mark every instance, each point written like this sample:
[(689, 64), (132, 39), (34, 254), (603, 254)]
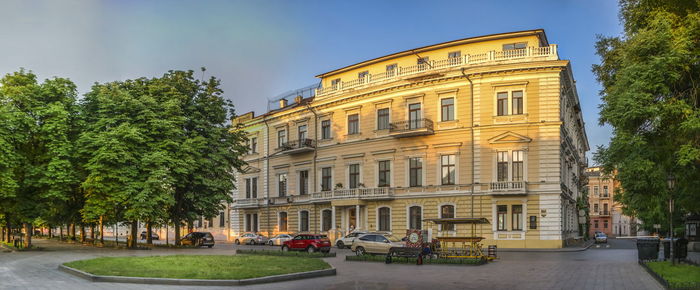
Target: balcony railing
[(249, 202), (546, 52), (359, 193), (298, 146), (410, 128), (517, 187)]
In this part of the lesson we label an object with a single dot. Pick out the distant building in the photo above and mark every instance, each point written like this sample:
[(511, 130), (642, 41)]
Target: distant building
[(606, 214)]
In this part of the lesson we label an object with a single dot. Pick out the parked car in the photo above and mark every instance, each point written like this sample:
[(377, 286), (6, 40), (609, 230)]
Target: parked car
[(251, 239), (154, 236), (198, 239), (601, 238), (308, 242), (375, 244), (278, 240), (346, 242)]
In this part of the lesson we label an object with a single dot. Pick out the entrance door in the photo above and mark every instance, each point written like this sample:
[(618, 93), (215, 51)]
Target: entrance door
[(352, 217)]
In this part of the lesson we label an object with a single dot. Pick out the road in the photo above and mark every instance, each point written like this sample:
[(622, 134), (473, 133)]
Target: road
[(611, 267)]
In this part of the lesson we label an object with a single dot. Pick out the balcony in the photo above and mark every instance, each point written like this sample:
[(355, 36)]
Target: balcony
[(354, 193), (249, 202), (297, 146), (508, 187), (435, 66), (410, 128)]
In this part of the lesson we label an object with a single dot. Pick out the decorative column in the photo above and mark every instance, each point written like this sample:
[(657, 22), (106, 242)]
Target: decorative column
[(333, 217), (357, 216)]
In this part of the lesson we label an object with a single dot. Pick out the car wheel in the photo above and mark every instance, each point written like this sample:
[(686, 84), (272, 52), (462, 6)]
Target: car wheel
[(270, 243), (237, 242), (340, 244), (311, 249), (360, 251), (285, 249)]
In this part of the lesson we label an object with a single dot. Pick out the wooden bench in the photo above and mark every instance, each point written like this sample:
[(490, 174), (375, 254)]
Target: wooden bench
[(405, 252)]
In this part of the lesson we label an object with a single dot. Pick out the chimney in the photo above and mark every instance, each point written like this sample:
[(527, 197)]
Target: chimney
[(283, 103), (298, 99)]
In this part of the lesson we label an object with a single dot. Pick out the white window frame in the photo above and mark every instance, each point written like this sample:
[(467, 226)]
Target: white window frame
[(320, 128), (320, 179), (347, 174), (452, 96), (509, 155), (286, 184), (321, 219), (509, 219), (298, 184), (391, 171), (510, 91), (438, 180), (279, 219), (439, 209), (424, 172), (308, 226), (391, 212), (408, 215), (376, 115)]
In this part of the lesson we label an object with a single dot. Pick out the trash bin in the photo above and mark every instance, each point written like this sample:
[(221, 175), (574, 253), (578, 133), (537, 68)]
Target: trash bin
[(648, 249), (680, 248)]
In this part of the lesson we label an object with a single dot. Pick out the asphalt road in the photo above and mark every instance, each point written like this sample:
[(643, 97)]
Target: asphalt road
[(596, 268)]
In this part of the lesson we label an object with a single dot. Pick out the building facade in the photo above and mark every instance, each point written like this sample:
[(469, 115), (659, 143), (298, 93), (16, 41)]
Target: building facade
[(606, 214), (487, 126)]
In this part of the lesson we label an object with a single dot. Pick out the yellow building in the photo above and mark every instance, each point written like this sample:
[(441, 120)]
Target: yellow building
[(487, 126)]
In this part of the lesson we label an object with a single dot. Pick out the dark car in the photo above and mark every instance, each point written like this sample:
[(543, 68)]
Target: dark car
[(154, 236), (308, 242), (198, 239)]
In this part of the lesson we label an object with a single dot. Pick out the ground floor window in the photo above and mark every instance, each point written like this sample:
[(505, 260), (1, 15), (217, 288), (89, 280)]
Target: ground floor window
[(502, 212), (251, 222), (517, 212), (447, 211), (327, 216), (283, 222), (384, 219), (415, 214), (304, 221)]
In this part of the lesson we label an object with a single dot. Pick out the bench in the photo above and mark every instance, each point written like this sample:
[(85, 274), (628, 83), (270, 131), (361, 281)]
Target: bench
[(405, 252)]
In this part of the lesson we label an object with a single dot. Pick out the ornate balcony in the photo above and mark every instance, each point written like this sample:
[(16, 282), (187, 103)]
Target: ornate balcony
[(508, 187), (410, 128), (354, 193), (436, 66), (249, 202), (297, 146)]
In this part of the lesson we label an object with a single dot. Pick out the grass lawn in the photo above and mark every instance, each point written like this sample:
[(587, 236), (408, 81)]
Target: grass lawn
[(681, 275), (198, 267)]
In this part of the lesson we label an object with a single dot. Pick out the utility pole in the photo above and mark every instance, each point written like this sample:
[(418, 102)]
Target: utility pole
[(671, 186)]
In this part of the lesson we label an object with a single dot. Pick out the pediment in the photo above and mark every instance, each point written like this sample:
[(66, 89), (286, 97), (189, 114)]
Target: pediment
[(250, 169), (510, 137)]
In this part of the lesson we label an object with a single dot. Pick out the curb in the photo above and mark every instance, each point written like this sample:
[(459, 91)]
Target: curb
[(196, 282), (653, 274), (581, 249)]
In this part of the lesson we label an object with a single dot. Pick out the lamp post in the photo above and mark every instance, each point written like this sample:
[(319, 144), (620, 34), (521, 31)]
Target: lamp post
[(671, 181)]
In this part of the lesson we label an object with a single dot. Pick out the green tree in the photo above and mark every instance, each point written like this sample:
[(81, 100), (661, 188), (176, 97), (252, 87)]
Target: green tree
[(651, 78)]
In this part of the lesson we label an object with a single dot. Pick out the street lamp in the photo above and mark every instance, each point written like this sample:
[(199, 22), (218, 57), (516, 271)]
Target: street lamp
[(671, 182)]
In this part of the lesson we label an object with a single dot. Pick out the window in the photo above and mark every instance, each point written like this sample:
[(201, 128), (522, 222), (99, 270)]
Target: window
[(326, 129), (605, 224), (595, 190), (448, 169), (326, 178), (423, 63), (335, 83), (415, 217), (282, 184), (414, 116), (533, 222), (303, 221), (251, 187), (447, 211), (363, 74), (302, 133), (502, 103), (517, 97), (353, 124), (222, 219), (281, 138), (605, 191), (353, 175), (383, 119), (415, 171), (502, 166), (447, 107), (304, 182), (605, 208), (327, 216), (283, 222), (254, 145), (502, 212), (595, 223), (454, 57), (511, 46), (517, 217), (251, 224), (595, 208), (384, 173), (385, 219), (391, 70), (518, 165)]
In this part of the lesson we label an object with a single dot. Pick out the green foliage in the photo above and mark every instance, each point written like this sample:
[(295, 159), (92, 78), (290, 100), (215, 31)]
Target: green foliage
[(651, 85), (286, 253), (198, 266), (678, 276)]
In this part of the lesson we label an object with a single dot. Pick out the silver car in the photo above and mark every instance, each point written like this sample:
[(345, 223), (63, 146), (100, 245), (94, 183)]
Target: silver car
[(346, 242), (601, 238), (279, 239), (251, 239)]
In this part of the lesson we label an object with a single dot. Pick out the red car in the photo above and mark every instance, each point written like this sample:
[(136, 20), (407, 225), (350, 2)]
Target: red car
[(308, 242)]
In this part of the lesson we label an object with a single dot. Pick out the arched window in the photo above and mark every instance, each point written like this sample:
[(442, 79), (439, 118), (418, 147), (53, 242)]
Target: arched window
[(304, 221), (415, 220), (447, 211), (283, 222), (384, 219), (326, 216)]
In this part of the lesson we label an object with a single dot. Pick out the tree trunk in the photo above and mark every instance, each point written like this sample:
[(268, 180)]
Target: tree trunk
[(60, 232), (102, 232), (50, 232), (82, 233), (92, 233), (149, 229), (134, 229), (176, 224), (28, 229), (72, 232), (9, 231)]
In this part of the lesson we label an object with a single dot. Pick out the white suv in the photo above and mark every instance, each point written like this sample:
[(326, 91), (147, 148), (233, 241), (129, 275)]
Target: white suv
[(346, 242)]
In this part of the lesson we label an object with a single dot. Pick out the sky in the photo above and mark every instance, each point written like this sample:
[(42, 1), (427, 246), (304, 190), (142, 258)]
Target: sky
[(260, 49)]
